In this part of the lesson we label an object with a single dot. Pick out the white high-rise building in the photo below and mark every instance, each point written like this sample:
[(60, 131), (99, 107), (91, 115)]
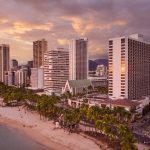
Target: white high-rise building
[(4, 61), (21, 77), (129, 67), (78, 59), (56, 70), (37, 78)]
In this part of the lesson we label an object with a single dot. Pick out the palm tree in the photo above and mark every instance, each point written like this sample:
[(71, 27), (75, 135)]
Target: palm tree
[(133, 113), (121, 113), (99, 125), (72, 118), (127, 140), (90, 88), (83, 113)]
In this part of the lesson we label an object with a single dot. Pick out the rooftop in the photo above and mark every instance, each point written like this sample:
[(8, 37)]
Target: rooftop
[(79, 83), (125, 102)]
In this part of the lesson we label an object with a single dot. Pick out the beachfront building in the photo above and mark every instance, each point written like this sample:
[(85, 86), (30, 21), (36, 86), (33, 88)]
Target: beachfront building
[(129, 67), (103, 102), (56, 70), (4, 61), (39, 48), (37, 78), (78, 59)]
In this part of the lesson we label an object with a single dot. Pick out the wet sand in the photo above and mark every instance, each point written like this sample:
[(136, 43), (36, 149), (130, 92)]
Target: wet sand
[(42, 131)]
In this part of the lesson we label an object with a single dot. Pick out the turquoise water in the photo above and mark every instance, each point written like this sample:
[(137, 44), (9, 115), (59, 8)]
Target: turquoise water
[(13, 139)]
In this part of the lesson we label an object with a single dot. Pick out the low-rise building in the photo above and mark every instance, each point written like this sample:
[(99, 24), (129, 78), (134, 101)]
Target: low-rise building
[(103, 102), (75, 103), (76, 86), (125, 103)]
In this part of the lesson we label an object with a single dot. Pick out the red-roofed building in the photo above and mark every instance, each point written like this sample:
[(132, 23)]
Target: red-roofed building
[(125, 103)]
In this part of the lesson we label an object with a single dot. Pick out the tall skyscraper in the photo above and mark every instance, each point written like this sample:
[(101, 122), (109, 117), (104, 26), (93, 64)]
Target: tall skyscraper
[(56, 70), (39, 48), (78, 59), (129, 67), (4, 60)]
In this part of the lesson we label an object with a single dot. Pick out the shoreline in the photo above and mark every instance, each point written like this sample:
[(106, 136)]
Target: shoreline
[(36, 137), (42, 131)]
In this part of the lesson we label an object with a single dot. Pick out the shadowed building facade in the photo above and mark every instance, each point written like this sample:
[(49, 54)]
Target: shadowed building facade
[(78, 59), (4, 60), (39, 48)]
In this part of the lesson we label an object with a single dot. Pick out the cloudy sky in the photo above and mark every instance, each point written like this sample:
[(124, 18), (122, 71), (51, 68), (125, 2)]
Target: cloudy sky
[(23, 21)]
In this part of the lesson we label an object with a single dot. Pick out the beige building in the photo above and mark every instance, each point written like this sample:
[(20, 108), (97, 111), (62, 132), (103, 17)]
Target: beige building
[(78, 59), (39, 48), (56, 70), (4, 60)]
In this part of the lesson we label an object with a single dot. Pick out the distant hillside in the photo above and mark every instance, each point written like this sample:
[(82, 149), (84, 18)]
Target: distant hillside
[(93, 63), (102, 62)]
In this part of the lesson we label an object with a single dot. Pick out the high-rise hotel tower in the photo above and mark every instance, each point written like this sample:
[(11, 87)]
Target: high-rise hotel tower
[(129, 67), (4, 60), (78, 59), (39, 48), (56, 70)]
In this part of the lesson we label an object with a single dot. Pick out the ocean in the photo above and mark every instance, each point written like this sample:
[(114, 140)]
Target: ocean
[(13, 139)]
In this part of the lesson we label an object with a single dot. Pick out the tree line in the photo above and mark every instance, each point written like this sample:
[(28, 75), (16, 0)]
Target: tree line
[(112, 124)]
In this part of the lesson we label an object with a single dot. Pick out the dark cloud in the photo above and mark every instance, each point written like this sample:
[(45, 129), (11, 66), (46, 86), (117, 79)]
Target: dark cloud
[(23, 21)]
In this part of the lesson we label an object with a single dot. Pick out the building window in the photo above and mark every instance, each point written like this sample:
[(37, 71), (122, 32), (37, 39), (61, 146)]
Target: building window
[(110, 42)]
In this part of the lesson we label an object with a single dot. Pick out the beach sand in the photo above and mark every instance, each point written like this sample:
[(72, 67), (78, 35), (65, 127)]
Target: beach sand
[(42, 131)]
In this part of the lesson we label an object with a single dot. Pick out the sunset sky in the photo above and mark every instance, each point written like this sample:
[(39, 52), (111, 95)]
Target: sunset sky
[(23, 21)]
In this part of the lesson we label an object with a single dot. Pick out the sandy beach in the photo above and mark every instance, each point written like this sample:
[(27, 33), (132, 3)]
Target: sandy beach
[(42, 131)]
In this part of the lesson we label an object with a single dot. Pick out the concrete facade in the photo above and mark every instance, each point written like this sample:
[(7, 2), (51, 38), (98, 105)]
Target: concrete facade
[(39, 48), (4, 61), (78, 59), (129, 67), (56, 70), (37, 78)]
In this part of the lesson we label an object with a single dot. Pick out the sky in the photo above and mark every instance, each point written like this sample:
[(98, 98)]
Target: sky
[(58, 21)]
